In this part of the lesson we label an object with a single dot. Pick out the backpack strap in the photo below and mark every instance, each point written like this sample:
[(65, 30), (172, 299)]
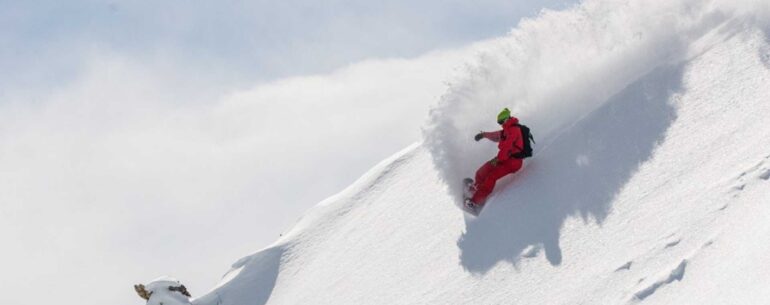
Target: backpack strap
[(520, 149)]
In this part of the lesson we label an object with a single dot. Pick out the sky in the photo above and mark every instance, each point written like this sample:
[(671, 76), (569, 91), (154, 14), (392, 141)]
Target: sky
[(140, 139), (243, 40)]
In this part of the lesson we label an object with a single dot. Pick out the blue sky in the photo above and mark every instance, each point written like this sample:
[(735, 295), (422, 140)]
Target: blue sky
[(255, 40), (145, 138)]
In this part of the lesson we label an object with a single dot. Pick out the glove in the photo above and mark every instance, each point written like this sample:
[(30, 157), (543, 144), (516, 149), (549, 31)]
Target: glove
[(479, 136), (494, 161)]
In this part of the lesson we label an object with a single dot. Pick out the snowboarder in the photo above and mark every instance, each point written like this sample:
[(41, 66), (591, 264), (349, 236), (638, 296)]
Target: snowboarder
[(513, 144)]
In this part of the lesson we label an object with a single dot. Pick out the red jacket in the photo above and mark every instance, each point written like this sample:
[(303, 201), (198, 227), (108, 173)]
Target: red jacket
[(509, 139)]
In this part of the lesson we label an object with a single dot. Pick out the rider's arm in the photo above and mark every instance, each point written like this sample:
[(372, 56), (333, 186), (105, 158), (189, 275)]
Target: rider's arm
[(493, 136)]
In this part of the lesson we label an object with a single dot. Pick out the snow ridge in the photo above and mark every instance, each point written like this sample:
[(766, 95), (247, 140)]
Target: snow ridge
[(676, 274)]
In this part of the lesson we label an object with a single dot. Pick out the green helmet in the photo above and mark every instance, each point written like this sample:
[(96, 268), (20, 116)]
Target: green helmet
[(503, 116)]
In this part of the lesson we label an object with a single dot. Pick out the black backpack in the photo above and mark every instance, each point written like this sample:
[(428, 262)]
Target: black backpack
[(526, 151)]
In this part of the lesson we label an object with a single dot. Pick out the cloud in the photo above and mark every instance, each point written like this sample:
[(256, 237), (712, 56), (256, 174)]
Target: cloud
[(135, 169), (253, 40)]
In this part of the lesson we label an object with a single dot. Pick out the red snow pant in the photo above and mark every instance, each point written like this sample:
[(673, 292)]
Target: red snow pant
[(487, 176)]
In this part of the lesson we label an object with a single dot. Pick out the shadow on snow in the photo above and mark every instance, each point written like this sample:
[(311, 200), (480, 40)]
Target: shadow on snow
[(253, 284), (578, 173)]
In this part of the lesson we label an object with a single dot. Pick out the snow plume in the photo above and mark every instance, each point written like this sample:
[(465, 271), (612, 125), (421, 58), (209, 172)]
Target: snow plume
[(556, 68)]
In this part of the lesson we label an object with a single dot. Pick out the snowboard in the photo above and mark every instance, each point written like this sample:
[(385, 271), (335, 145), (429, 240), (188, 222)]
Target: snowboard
[(467, 194)]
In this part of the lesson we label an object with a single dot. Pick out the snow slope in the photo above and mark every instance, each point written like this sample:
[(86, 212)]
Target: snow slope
[(650, 183)]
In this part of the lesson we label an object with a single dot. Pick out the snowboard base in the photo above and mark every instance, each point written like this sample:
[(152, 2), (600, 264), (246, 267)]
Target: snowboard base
[(467, 194), (473, 211)]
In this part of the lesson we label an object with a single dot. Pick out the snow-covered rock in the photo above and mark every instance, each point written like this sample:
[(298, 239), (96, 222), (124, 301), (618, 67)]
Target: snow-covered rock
[(161, 294)]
